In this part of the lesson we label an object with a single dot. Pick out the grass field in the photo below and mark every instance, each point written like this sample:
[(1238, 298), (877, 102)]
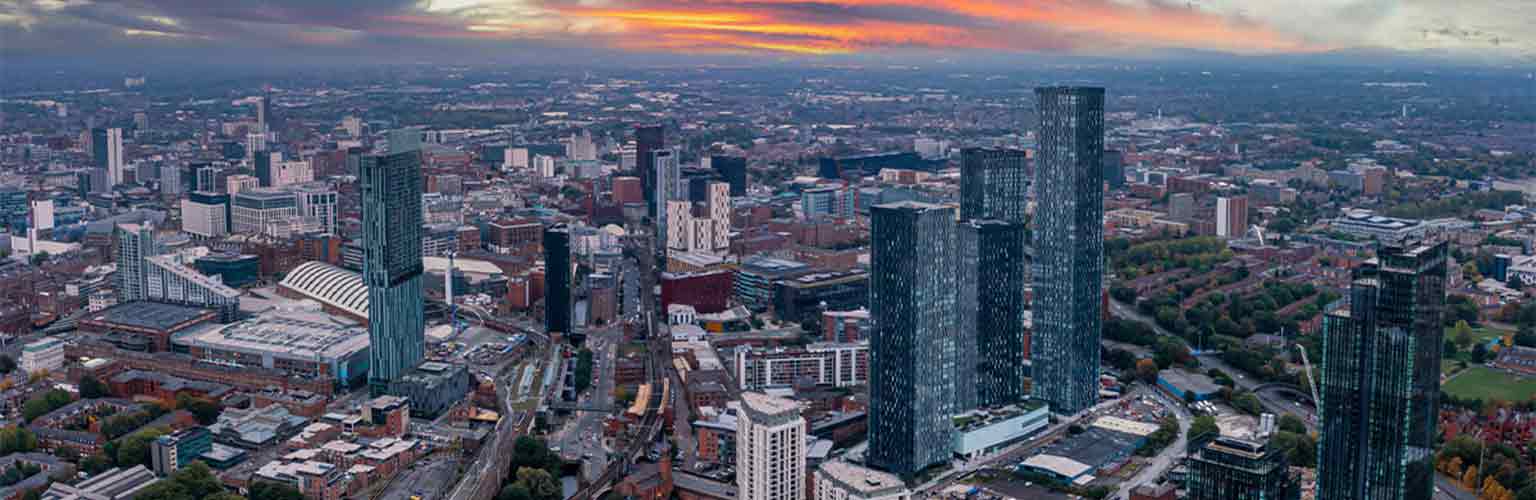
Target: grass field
[(1481, 382), (1449, 366), (1479, 334)]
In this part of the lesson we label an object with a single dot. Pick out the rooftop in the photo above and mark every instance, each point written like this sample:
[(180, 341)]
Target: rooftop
[(150, 315), (869, 482), (290, 331), (769, 406)]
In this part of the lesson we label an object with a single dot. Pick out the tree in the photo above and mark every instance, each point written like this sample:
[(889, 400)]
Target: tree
[(267, 490), (1249, 403), (7, 364), (42, 404), (540, 484), (1479, 353), (1203, 424), (164, 490), (92, 388), (225, 495), (134, 449), (1146, 369), (39, 258), (95, 464), (1462, 332), (514, 491), (16, 440), (1292, 423), (206, 411), (529, 451)]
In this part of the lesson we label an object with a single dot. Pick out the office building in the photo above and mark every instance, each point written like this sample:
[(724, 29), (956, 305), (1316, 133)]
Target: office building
[(912, 350), (252, 212), (669, 185), (557, 279), (45, 354), (317, 200), (1114, 168), (133, 242), (173, 451), (993, 184), (1381, 378), (392, 267), (649, 139), (839, 480), (734, 170), (115, 162), (827, 201), (770, 449), (1069, 247), (205, 214), (1231, 216), (1224, 468), (990, 342)]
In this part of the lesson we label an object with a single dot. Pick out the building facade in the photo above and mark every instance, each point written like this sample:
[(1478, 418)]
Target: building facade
[(133, 243), (912, 351), (993, 184), (1231, 216), (1381, 378), (990, 368), (770, 449), (251, 212), (1069, 246), (392, 268), (1226, 468), (557, 279)]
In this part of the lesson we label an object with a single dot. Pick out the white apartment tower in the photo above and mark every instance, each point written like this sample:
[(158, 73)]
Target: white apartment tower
[(115, 163), (701, 228), (770, 449)]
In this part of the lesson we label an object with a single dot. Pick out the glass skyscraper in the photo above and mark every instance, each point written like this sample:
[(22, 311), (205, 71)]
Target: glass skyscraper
[(1069, 247), (990, 368), (912, 350), (993, 184), (1381, 378), (557, 279), (392, 267)]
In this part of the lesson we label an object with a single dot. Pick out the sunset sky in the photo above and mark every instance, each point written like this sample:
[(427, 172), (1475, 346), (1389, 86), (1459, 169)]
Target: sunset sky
[(783, 28)]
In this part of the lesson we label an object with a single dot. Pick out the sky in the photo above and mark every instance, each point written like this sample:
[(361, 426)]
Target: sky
[(805, 29)]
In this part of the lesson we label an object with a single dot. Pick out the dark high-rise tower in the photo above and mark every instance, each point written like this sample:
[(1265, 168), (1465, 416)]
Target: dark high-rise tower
[(990, 343), (734, 170), (99, 147), (263, 161), (648, 140), (392, 267), (1381, 378), (1069, 247), (1114, 168), (992, 184), (557, 279), (912, 309)]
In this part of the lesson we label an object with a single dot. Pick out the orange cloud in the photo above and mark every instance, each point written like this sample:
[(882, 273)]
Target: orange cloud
[(843, 26)]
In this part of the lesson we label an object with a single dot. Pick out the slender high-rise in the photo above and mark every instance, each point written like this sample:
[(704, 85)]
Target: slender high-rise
[(912, 349), (392, 267), (990, 343), (115, 161), (1069, 247), (648, 140), (132, 243), (1380, 383), (557, 279)]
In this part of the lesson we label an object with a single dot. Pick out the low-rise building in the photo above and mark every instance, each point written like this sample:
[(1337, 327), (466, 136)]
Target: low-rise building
[(173, 451), (982, 431), (115, 484), (838, 480), (46, 354), (432, 387)]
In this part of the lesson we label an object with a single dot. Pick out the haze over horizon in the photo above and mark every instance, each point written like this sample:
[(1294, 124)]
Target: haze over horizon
[(1472, 30)]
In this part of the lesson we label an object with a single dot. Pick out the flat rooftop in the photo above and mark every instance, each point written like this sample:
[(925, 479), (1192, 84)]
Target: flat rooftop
[(297, 330), (149, 315)]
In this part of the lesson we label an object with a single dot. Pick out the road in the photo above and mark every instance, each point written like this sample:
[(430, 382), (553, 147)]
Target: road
[(581, 438), (1169, 456)]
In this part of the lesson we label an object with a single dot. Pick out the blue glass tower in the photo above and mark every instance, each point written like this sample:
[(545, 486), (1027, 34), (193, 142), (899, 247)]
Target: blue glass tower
[(912, 350), (392, 268), (1069, 247)]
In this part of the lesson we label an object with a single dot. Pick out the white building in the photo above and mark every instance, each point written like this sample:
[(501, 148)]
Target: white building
[(252, 211), (46, 353), (702, 228), (236, 183), (287, 173), (514, 159), (42, 215), (544, 166), (205, 214), (838, 480), (115, 163), (580, 147), (770, 449), (317, 201), (353, 125)]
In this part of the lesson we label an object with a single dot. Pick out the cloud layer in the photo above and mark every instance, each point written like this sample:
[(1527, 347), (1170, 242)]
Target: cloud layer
[(787, 27)]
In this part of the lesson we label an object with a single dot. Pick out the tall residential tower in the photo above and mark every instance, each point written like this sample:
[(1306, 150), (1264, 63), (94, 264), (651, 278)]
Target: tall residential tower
[(1069, 247), (1381, 378), (912, 350), (392, 267)]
